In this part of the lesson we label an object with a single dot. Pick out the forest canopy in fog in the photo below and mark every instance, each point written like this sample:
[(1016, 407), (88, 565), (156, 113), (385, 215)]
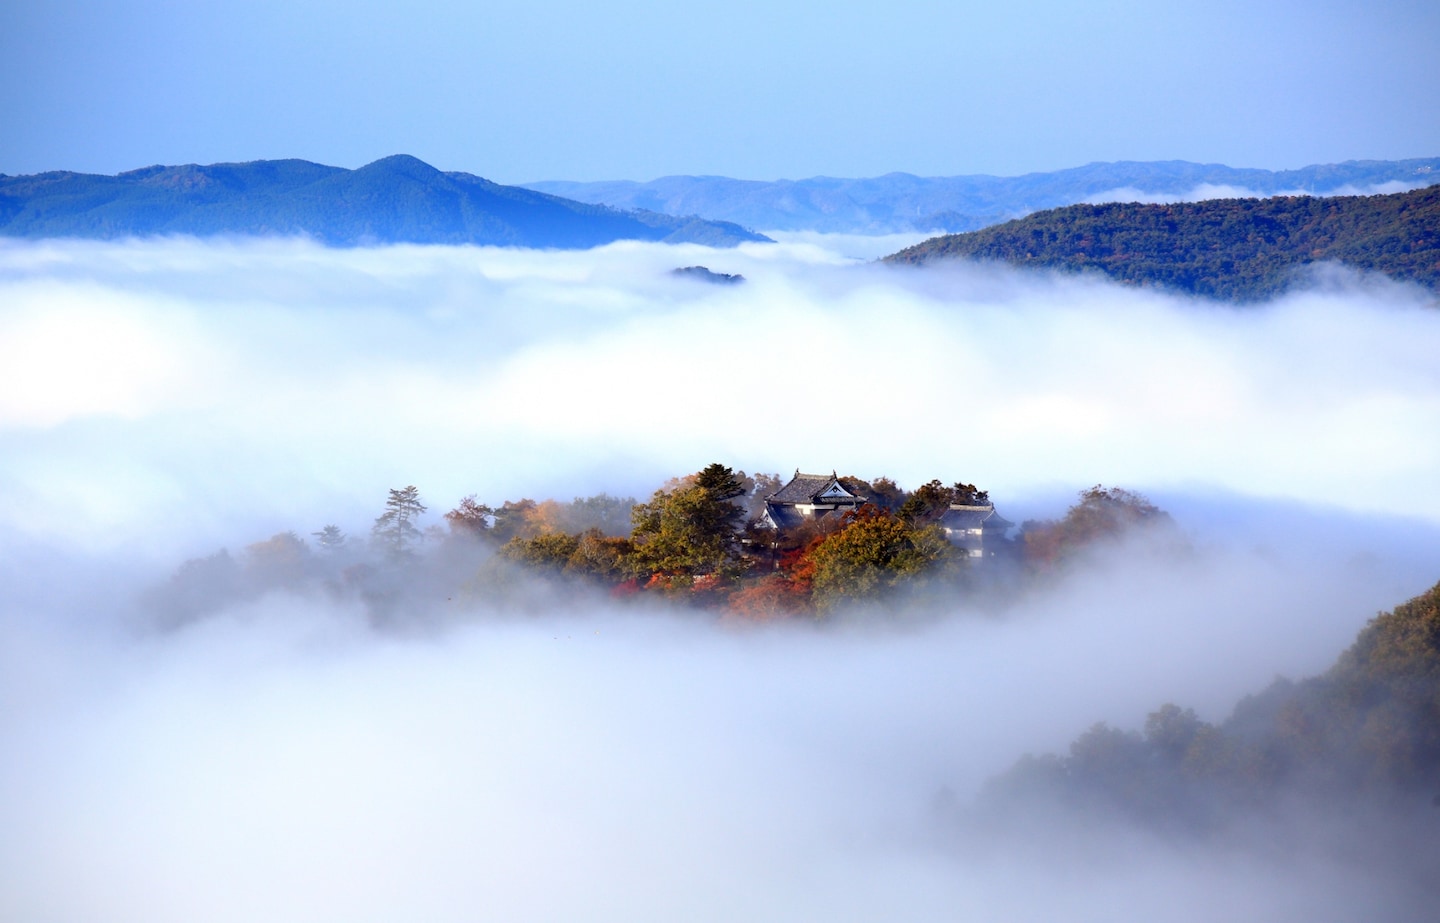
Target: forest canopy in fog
[(717, 540)]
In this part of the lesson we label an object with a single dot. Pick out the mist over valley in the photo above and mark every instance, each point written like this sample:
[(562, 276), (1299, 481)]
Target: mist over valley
[(552, 751), (555, 461)]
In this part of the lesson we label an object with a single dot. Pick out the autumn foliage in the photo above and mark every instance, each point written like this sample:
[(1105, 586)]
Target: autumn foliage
[(700, 539), (1102, 515)]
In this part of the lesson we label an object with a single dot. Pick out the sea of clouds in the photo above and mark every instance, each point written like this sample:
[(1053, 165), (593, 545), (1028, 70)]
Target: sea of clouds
[(162, 399), (1206, 191)]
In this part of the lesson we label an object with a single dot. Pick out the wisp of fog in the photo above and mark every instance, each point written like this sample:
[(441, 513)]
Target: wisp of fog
[(282, 760)]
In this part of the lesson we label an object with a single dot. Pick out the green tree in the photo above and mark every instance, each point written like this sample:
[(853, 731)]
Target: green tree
[(395, 528), (928, 501), (875, 553), (283, 560), (469, 518), (600, 557), (720, 481), (884, 493), (611, 515), (968, 494), (691, 529), (757, 487), (330, 538), (548, 552), (1103, 513), (514, 519)]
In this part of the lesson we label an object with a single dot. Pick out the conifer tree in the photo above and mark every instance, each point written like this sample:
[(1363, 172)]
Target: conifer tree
[(693, 529), (395, 528), (330, 538)]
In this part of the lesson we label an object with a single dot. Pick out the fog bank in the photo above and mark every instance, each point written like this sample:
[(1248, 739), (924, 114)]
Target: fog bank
[(136, 376), (281, 760), (1206, 191)]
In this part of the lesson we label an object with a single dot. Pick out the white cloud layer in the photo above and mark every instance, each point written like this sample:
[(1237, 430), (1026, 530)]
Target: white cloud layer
[(278, 762), (140, 379), (1207, 191)]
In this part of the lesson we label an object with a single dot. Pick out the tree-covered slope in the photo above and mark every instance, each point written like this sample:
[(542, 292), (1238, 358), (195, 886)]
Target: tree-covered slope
[(1369, 727), (1239, 249), (395, 200)]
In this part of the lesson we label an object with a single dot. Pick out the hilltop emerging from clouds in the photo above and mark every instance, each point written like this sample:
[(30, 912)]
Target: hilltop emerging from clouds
[(395, 200), (1238, 249)]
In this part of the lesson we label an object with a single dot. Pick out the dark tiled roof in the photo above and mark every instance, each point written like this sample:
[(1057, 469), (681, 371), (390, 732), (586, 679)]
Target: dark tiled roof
[(805, 488)]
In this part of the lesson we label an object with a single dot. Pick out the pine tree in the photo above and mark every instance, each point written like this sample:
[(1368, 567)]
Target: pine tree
[(395, 528), (330, 538), (693, 529)]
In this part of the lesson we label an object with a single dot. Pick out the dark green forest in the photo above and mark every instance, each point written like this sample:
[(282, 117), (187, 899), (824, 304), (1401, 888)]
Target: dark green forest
[(1240, 250)]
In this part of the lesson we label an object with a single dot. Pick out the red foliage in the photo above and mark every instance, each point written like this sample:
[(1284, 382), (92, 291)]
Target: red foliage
[(628, 588), (774, 597), (798, 565)]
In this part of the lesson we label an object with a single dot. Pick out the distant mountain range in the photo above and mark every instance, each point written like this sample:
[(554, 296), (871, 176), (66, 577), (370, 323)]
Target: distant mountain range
[(1235, 249), (395, 200), (899, 202), (401, 199)]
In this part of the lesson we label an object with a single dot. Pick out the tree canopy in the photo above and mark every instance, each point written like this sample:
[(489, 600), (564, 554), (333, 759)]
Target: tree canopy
[(701, 538), (693, 528), (395, 528), (1102, 514), (874, 553), (1367, 727)]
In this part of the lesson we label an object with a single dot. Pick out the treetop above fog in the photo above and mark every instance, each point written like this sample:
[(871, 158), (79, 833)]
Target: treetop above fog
[(750, 546)]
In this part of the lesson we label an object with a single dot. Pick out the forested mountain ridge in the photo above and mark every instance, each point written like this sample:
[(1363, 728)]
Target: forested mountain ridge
[(397, 199), (902, 202), (1234, 249)]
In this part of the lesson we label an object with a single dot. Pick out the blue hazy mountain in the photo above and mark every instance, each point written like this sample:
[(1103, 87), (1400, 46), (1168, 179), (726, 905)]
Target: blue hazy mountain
[(395, 200), (899, 202)]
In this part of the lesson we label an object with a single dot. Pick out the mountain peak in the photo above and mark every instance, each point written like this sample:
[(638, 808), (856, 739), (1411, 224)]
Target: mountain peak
[(400, 165), (397, 199)]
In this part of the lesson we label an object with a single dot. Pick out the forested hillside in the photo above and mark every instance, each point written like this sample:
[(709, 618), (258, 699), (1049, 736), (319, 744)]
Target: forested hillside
[(1368, 729), (1234, 249)]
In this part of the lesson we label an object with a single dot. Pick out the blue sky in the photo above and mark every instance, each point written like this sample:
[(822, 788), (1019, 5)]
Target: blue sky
[(551, 89)]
